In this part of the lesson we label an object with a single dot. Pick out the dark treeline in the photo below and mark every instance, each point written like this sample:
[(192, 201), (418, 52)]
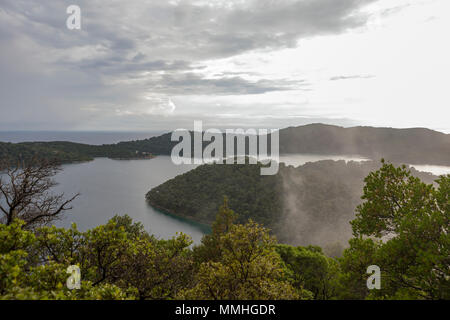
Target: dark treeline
[(414, 146)]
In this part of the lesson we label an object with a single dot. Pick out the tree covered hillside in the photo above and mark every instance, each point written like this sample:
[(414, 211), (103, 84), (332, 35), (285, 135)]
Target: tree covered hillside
[(412, 145), (311, 204), (67, 152)]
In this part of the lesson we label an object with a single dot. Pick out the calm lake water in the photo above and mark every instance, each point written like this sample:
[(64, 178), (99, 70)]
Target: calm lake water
[(110, 187)]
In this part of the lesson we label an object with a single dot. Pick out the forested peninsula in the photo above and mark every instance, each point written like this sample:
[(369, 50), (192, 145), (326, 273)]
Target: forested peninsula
[(310, 204)]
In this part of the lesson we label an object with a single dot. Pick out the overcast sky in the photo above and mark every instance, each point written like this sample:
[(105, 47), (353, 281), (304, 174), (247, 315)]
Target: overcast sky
[(160, 65)]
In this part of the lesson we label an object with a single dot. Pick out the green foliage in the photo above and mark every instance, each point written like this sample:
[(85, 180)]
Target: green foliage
[(198, 194), (21, 279), (67, 152), (210, 250), (157, 269), (411, 221), (118, 260), (246, 267), (402, 226), (311, 204), (308, 268), (354, 263)]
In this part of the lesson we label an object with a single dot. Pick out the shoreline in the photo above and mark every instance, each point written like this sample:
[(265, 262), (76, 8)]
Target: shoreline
[(204, 225)]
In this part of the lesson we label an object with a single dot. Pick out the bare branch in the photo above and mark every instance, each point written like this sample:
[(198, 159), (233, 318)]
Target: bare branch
[(27, 195)]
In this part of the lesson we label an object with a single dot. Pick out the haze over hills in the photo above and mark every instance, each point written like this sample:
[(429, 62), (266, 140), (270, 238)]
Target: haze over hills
[(413, 146)]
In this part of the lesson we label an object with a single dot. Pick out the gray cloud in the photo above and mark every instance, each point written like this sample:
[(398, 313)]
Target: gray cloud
[(186, 31), (119, 65), (357, 76), (192, 84), (127, 49)]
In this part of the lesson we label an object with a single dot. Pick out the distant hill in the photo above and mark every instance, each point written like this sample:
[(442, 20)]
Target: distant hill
[(311, 204), (68, 152), (413, 146)]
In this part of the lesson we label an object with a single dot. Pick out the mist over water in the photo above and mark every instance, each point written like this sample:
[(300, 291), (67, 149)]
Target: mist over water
[(297, 160)]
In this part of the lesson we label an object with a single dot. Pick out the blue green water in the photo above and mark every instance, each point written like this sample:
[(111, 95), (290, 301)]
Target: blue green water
[(110, 187)]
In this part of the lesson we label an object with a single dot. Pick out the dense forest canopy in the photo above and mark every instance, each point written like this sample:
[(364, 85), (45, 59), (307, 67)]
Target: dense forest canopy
[(311, 204), (414, 146)]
